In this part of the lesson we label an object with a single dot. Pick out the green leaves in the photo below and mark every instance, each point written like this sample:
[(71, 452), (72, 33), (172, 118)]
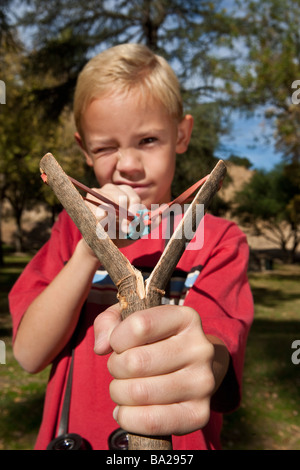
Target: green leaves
[(269, 205)]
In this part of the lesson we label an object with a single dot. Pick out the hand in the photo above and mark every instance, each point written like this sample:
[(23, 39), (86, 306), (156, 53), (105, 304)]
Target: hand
[(116, 225), (161, 362)]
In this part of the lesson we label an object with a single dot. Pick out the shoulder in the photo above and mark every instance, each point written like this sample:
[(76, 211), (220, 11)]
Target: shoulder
[(62, 241), (213, 223), (215, 235), (218, 228)]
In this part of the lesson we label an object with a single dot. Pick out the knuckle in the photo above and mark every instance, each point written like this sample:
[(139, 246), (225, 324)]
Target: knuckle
[(97, 323), (203, 415), (199, 415), (141, 325), (144, 421), (189, 312), (192, 317), (138, 362), (202, 352), (210, 383), (139, 392), (209, 351), (206, 413), (153, 425)]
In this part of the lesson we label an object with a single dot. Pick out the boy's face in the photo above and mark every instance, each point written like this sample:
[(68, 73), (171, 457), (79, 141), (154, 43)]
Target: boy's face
[(134, 142)]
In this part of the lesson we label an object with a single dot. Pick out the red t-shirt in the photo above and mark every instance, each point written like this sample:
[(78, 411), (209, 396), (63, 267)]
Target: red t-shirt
[(211, 278)]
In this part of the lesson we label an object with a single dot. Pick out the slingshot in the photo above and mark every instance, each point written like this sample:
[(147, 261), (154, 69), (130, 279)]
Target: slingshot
[(133, 293)]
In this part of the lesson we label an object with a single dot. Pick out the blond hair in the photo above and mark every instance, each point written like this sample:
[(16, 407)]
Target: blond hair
[(123, 68)]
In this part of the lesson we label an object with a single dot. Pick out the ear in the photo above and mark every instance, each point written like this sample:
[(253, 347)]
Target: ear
[(185, 128), (80, 142)]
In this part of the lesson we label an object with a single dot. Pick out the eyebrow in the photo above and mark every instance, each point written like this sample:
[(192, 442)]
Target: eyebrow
[(150, 132)]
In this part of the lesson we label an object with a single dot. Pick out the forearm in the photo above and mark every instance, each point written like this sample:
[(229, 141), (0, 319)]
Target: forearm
[(50, 320)]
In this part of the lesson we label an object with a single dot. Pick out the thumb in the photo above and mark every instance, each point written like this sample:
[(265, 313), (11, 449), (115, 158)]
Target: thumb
[(104, 324)]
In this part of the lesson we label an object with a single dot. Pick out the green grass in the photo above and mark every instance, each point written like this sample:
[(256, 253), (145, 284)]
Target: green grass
[(269, 416), (21, 394)]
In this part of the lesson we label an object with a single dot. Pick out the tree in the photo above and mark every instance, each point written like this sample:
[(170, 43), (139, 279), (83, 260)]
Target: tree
[(25, 137), (267, 51), (67, 32), (19, 142), (265, 75), (9, 44), (7, 33), (269, 206)]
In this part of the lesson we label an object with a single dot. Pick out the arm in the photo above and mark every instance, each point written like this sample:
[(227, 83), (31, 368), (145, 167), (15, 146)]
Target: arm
[(50, 320)]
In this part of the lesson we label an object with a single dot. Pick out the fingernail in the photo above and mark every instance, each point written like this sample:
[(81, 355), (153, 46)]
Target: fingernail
[(115, 413)]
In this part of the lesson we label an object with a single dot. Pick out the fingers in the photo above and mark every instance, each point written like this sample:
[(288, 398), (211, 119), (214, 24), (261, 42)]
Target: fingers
[(163, 420), (122, 195), (154, 324), (161, 362), (115, 222), (184, 385), (128, 197), (104, 324), (161, 357)]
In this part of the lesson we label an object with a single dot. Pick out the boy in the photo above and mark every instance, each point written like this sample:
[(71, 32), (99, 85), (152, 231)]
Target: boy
[(172, 369)]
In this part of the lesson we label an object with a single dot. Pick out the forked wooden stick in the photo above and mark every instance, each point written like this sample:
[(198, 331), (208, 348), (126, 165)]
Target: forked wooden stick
[(133, 293)]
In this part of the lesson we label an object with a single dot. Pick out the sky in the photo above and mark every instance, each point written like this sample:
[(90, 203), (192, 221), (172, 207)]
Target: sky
[(251, 138)]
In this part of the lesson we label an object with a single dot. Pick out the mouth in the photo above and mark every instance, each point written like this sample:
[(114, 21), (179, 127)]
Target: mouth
[(137, 186)]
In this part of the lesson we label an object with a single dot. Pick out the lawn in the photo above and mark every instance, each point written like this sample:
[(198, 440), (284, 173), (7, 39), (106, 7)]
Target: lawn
[(21, 394), (269, 414)]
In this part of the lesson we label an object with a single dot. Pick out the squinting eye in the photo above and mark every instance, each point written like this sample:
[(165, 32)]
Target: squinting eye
[(148, 140), (102, 151)]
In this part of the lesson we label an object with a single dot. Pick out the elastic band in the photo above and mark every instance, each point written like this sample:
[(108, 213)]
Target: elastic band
[(146, 215)]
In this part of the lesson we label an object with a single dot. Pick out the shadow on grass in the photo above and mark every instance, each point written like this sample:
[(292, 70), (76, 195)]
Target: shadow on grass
[(5, 332), (271, 390), (271, 297), (21, 421)]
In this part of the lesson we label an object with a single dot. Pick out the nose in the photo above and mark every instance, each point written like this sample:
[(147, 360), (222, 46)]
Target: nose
[(130, 163)]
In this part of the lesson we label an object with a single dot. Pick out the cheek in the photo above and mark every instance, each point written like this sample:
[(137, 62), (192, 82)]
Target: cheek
[(165, 162), (103, 170), (164, 174), (167, 169)]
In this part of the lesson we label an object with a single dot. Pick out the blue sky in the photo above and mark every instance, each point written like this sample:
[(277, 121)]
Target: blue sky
[(251, 138)]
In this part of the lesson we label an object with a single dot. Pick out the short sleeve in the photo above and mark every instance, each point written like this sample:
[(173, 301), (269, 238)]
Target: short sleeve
[(222, 297), (43, 267)]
